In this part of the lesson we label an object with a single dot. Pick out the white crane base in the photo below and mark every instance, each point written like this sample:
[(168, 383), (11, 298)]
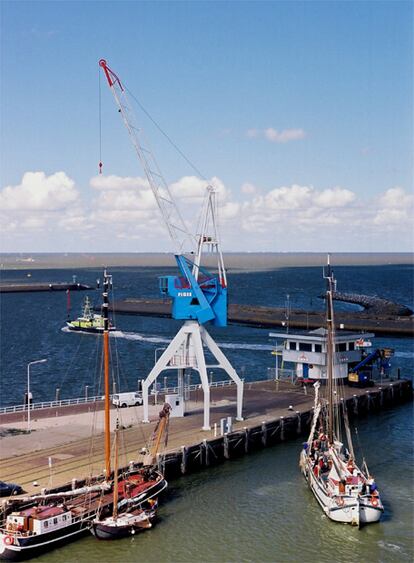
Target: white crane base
[(186, 351)]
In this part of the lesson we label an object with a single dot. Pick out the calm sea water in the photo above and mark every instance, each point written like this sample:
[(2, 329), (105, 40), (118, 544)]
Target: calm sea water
[(255, 509)]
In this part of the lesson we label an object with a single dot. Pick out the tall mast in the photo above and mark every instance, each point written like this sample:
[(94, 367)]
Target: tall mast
[(105, 306), (115, 507), (328, 275)]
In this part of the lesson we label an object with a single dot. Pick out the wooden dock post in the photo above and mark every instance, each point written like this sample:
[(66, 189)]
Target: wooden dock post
[(299, 426), (183, 460), (282, 428), (206, 452), (226, 446), (264, 434), (246, 440)]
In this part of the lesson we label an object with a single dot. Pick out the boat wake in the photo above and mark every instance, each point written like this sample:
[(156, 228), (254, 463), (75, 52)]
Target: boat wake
[(160, 340)]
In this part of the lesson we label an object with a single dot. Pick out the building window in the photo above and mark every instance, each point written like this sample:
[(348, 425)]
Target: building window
[(318, 348), (46, 524), (351, 345), (305, 346), (341, 347), (54, 520), (64, 517), (292, 345)]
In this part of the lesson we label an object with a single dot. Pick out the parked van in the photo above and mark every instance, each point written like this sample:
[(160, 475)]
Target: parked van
[(126, 400)]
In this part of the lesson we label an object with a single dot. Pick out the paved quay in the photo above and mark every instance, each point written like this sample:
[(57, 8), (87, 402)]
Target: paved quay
[(73, 442)]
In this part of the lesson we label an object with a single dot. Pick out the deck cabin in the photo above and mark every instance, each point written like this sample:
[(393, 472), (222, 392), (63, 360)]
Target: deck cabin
[(39, 519)]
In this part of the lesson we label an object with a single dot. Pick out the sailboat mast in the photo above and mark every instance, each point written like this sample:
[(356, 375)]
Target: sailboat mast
[(107, 425), (115, 507), (330, 349)]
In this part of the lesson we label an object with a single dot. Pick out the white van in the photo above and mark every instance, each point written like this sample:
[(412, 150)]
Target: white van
[(126, 400)]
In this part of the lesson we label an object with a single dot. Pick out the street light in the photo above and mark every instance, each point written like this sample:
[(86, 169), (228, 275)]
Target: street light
[(28, 390)]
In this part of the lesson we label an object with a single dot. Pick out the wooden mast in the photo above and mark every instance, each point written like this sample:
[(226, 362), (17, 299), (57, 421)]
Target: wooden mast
[(116, 495), (107, 425), (330, 349)]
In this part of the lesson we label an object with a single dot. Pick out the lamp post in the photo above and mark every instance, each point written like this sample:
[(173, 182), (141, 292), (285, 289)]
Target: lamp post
[(28, 390)]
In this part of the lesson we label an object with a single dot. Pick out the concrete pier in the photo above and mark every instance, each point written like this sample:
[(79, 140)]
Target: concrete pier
[(45, 286), (274, 412)]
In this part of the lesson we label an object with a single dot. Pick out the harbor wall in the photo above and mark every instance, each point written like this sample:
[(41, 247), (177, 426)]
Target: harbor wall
[(209, 452)]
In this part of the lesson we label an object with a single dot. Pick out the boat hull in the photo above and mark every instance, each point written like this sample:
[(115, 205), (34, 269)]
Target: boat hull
[(345, 508), (24, 548)]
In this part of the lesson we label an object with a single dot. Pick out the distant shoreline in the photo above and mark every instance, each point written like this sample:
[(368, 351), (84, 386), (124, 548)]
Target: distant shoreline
[(234, 260)]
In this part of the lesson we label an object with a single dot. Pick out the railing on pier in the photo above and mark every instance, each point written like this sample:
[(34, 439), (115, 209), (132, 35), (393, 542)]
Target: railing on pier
[(87, 400)]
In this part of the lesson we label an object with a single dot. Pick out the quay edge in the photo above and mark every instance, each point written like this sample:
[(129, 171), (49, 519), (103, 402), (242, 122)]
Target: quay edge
[(209, 452)]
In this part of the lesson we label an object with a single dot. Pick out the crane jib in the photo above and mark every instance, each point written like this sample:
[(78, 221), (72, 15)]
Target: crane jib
[(110, 75)]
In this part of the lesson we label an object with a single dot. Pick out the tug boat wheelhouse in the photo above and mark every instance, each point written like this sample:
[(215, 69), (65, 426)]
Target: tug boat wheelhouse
[(88, 321)]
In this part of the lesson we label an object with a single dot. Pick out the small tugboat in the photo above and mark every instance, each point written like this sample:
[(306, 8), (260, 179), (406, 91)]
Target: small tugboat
[(88, 321), (345, 492), (38, 523)]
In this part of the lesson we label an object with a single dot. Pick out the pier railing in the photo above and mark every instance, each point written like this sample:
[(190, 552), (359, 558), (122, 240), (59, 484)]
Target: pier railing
[(98, 398)]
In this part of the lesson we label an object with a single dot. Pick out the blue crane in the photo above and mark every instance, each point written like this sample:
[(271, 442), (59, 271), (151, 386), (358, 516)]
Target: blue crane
[(198, 296)]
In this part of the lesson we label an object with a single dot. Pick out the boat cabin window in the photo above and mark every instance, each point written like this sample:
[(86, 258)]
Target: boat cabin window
[(305, 346), (318, 347)]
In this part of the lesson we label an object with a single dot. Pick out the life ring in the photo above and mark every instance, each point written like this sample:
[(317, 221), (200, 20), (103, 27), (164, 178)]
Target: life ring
[(340, 501), (374, 501), (8, 540)]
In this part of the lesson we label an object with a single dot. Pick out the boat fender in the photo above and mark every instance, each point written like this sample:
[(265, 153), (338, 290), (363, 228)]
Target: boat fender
[(8, 540), (340, 501), (374, 501)]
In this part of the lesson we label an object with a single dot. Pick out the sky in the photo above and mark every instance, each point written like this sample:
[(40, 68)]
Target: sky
[(299, 113)]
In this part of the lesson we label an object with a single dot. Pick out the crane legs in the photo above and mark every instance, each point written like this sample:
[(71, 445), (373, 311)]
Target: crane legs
[(186, 351)]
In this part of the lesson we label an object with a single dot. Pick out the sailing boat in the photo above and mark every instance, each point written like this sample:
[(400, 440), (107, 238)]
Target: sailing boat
[(38, 523), (140, 510), (88, 321), (345, 492)]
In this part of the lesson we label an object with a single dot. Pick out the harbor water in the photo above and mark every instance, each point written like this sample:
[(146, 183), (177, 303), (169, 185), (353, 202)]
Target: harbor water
[(254, 509)]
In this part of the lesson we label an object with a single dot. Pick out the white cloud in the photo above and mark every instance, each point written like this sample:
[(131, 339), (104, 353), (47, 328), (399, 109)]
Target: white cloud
[(111, 182), (248, 188), (275, 136), (284, 136), (38, 192), (293, 217)]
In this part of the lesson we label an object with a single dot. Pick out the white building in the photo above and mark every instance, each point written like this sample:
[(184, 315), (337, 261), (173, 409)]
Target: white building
[(308, 351)]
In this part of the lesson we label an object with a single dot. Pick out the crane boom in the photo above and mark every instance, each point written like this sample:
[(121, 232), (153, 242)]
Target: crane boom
[(182, 239)]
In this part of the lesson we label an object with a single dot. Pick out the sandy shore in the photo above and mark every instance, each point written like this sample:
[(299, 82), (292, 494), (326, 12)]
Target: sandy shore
[(234, 261)]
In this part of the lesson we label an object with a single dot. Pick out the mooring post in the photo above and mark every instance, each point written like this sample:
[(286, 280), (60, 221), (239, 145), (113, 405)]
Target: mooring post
[(206, 452), (264, 433), (183, 460), (355, 405), (226, 446), (282, 428), (392, 392), (159, 462), (381, 396), (368, 396), (57, 394), (246, 440), (299, 427), (215, 430), (222, 425)]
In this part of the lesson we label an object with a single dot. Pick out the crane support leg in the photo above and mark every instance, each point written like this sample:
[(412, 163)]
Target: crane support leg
[(186, 350), (228, 368)]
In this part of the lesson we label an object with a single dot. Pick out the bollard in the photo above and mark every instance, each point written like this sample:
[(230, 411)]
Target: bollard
[(229, 424), (86, 392), (264, 434), (57, 394), (215, 430), (246, 440), (206, 452)]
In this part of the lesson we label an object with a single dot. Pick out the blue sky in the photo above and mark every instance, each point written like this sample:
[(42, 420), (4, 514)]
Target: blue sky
[(301, 111)]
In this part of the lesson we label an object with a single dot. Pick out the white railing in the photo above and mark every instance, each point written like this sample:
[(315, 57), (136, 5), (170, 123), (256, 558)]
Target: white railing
[(86, 400), (282, 374)]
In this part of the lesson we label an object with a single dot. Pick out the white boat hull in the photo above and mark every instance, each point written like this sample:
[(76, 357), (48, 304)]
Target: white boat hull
[(348, 509)]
